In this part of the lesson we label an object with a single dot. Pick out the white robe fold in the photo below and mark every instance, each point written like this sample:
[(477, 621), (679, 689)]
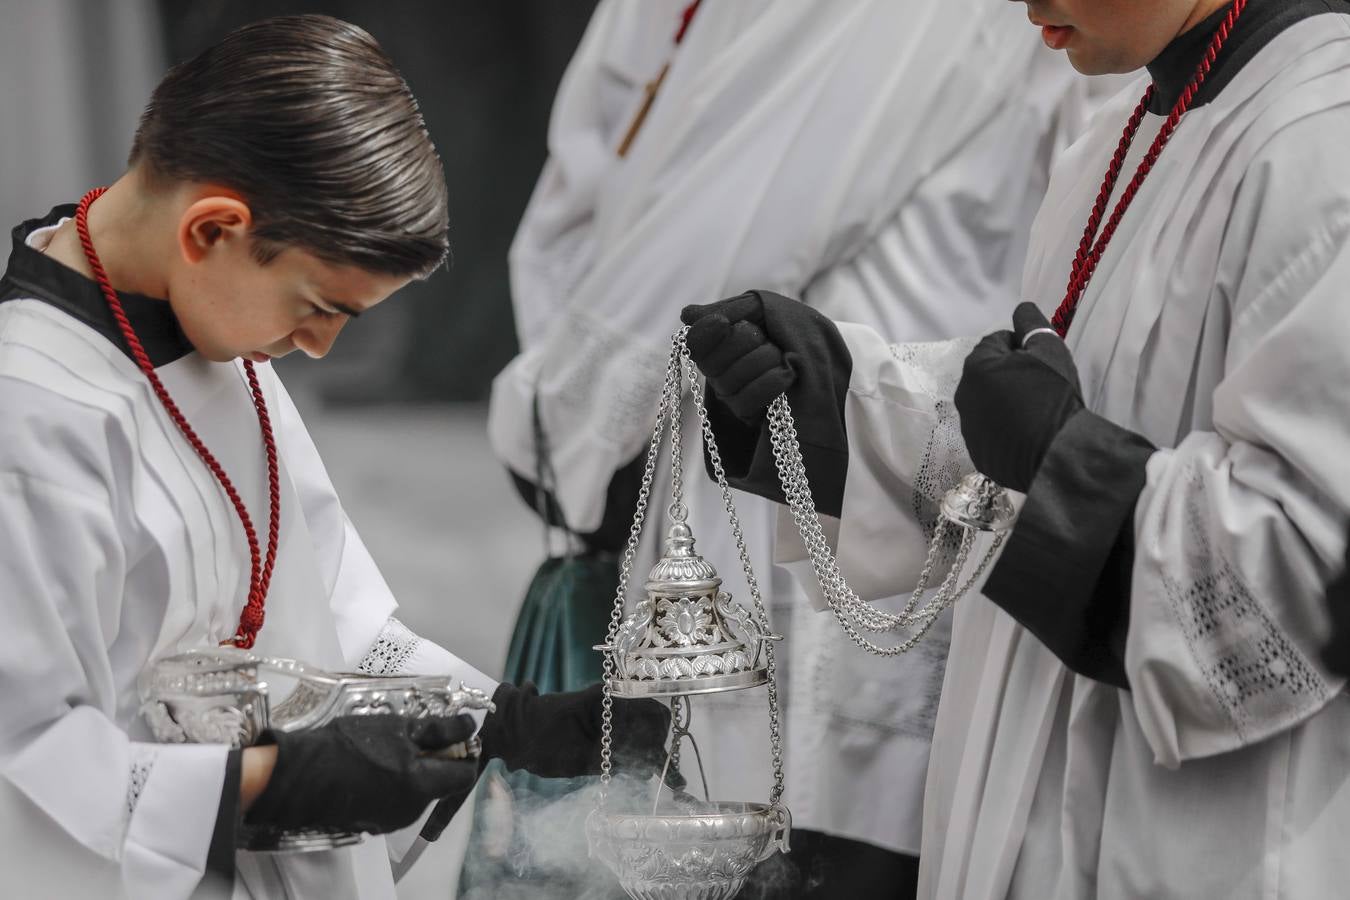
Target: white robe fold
[(1216, 327), (117, 546)]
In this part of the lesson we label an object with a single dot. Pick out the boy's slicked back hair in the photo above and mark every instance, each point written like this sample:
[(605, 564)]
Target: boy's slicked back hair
[(309, 121)]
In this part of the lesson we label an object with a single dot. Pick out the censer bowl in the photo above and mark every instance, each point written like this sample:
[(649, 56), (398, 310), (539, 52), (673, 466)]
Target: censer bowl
[(678, 856), (229, 696)]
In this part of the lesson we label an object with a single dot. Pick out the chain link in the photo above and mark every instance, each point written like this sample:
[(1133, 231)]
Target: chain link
[(669, 398), (851, 611), (678, 512), (761, 614)]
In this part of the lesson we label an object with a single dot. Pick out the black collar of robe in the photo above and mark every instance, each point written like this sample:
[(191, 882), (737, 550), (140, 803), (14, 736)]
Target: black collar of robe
[(34, 274), (1260, 23)]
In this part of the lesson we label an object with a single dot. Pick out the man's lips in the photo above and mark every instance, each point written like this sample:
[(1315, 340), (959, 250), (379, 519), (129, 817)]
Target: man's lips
[(1056, 37), (1047, 27)]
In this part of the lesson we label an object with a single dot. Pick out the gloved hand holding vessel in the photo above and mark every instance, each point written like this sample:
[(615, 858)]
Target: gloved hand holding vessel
[(359, 754), (356, 753), (688, 637), (752, 348)]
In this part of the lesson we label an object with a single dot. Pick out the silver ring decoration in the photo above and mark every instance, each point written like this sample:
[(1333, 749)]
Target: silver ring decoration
[(1035, 331)]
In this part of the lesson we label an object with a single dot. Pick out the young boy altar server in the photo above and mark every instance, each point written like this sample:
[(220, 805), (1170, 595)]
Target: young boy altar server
[(1137, 706), (159, 493)]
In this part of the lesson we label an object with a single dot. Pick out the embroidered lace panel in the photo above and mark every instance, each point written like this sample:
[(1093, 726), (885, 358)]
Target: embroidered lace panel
[(936, 368), (627, 372), (391, 651), (142, 761), (1257, 675)]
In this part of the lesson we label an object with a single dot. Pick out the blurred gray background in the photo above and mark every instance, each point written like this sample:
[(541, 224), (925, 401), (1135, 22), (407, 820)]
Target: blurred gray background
[(398, 407)]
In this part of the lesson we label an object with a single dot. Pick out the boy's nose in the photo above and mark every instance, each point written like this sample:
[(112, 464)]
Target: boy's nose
[(315, 339)]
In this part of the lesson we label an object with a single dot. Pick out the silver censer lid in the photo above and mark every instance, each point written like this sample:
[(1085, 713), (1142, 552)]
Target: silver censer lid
[(687, 636)]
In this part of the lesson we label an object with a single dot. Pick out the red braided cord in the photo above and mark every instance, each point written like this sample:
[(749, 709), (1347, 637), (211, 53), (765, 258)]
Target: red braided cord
[(686, 19), (1109, 185), (1089, 253), (260, 576)]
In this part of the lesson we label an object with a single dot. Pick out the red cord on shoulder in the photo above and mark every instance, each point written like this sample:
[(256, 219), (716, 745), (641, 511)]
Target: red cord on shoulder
[(260, 574), (1091, 247)]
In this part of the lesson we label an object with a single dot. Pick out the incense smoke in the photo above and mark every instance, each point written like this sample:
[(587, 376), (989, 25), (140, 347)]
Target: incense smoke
[(536, 849)]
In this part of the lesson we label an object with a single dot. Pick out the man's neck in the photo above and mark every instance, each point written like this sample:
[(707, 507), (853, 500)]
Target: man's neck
[(1260, 23), (1203, 10), (123, 230)]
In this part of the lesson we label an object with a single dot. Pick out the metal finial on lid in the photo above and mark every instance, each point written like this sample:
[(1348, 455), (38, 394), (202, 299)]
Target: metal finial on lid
[(680, 567)]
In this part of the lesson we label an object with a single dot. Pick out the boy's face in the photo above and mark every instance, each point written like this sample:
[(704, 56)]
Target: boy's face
[(1104, 36), (229, 305)]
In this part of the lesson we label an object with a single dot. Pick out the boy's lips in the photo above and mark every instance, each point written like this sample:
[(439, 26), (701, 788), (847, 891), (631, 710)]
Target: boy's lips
[(259, 357)]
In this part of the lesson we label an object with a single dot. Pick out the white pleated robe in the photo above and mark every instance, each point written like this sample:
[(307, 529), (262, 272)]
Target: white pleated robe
[(1216, 326)]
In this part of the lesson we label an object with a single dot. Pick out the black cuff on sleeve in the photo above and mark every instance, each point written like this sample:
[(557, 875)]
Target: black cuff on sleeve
[(823, 366), (1065, 571), (747, 459), (220, 854)]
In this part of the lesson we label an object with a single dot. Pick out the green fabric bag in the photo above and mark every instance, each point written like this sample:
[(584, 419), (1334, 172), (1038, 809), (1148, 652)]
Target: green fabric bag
[(527, 838), (565, 614)]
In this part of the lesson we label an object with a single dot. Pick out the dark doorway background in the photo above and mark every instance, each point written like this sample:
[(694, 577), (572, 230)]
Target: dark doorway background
[(485, 74)]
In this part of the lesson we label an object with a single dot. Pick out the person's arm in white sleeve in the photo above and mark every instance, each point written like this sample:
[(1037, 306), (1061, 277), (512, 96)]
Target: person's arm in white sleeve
[(1192, 575), (148, 809)]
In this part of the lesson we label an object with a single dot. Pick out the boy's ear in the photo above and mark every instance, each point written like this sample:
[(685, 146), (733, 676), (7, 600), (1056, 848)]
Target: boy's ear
[(210, 221)]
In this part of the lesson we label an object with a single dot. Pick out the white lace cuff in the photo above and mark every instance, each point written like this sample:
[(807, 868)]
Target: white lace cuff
[(398, 650), (394, 646)]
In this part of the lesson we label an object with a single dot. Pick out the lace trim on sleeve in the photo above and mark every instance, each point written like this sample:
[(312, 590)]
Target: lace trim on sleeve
[(1253, 670), (142, 761), (391, 651), (945, 460)]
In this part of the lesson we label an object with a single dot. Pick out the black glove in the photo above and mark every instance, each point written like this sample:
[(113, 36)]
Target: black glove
[(558, 735), (373, 773), (1336, 655), (753, 348), (1014, 400), (740, 345)]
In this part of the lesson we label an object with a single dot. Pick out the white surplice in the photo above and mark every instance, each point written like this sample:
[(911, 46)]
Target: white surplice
[(118, 546), (846, 153), (1216, 325)]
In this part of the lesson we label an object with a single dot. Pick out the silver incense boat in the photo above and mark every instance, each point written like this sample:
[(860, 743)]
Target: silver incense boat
[(229, 696)]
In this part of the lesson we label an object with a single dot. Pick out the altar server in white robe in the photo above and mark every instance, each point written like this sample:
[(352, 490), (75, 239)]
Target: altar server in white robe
[(1137, 705), (846, 152), (280, 183)]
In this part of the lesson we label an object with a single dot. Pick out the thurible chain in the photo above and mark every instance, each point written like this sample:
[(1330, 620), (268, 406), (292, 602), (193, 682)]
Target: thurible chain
[(669, 398)]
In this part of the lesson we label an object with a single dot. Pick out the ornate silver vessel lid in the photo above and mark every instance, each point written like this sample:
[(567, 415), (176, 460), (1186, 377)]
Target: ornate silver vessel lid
[(687, 636)]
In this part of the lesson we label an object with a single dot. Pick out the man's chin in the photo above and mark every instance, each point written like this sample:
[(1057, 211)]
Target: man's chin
[(218, 356), (263, 356), (1085, 62)]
